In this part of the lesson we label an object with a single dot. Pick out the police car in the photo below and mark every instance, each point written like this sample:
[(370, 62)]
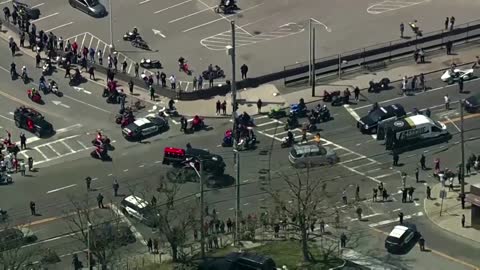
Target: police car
[(472, 103), (145, 127), (33, 121), (369, 123), (400, 237), (139, 209)]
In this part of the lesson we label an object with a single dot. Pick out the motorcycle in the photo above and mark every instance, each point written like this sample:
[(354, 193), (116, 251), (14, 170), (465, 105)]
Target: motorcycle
[(246, 144), (415, 28), (129, 36), (140, 43), (197, 124), (25, 78), (47, 69), (328, 97), (292, 123), (216, 73), (184, 67), (101, 154), (124, 121), (149, 63), (113, 98), (224, 9), (227, 139), (37, 98), (105, 93), (76, 79), (277, 113), (376, 87), (299, 110), (105, 141), (43, 87), (172, 112), (54, 90), (287, 142)]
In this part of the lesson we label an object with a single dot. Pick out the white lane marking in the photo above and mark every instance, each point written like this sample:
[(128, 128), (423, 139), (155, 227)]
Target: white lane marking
[(367, 216), (83, 145), (4, 117), (126, 170), (110, 174), (158, 32), (322, 24), (66, 129), (385, 175), (5, 2), (40, 152), (421, 93), (191, 14), (158, 161), (53, 149), (366, 164), (260, 117), (60, 26), (267, 123), (416, 203), (144, 2), (386, 6), (396, 210), (141, 166), (453, 123), (374, 170), (50, 239), (134, 230), (87, 104), (62, 188), (68, 147), (45, 17), (352, 112), (219, 19), (38, 5), (389, 221), (170, 7)]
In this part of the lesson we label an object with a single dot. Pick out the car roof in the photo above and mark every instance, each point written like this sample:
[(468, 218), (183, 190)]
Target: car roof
[(392, 108), (137, 201), (306, 148), (398, 231), (419, 119), (141, 121)]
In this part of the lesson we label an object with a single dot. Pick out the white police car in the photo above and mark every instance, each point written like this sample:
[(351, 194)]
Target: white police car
[(139, 209), (145, 127), (400, 237)]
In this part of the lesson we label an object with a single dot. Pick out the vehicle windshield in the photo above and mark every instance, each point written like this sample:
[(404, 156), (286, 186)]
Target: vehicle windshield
[(376, 115), (92, 3), (393, 240)]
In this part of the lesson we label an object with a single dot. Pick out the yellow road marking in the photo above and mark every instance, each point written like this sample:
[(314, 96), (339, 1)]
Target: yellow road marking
[(439, 253), (473, 115)]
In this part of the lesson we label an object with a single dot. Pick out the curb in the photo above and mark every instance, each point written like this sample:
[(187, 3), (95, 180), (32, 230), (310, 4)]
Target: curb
[(441, 227)]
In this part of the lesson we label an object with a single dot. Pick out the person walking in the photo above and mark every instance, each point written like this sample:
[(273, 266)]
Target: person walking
[(357, 193), (100, 201), (244, 71), (155, 245), (88, 181), (163, 79), (375, 194), (30, 163), (224, 107), (421, 243), (422, 162), (22, 168), (404, 180), (460, 85), (396, 158), (417, 173), (446, 99), (322, 226), (33, 210), (38, 59), (150, 245), (136, 68), (115, 187), (359, 213), (91, 72), (173, 82), (402, 29), (463, 221), (210, 80), (421, 54), (343, 240), (194, 82), (218, 107), (259, 106), (447, 22), (449, 46), (429, 193), (400, 218)]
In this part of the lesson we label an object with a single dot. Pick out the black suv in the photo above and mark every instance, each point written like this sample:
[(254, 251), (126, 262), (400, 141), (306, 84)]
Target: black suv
[(369, 123), (33, 121)]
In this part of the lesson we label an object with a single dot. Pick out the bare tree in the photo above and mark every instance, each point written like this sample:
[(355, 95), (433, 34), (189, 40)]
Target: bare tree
[(13, 256), (303, 202), (101, 231), (175, 218)]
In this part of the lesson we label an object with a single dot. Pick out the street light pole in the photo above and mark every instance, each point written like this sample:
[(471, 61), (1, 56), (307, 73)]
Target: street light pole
[(237, 197), (462, 145), (89, 259), (111, 24), (313, 61), (310, 51), (202, 211)]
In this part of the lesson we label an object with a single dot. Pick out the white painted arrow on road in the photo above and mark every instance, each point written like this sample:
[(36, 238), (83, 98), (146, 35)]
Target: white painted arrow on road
[(56, 102), (158, 32), (82, 90)]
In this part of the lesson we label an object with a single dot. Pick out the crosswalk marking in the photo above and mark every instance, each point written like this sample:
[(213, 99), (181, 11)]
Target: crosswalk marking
[(392, 5), (53, 149), (40, 152), (389, 221), (68, 147)]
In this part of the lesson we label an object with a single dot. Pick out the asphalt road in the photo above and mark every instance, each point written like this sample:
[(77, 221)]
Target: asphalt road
[(270, 34)]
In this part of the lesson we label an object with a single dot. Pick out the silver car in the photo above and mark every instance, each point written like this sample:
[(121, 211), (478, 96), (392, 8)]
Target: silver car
[(305, 155)]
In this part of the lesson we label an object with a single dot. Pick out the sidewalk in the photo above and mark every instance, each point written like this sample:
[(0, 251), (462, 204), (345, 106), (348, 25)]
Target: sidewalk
[(450, 218)]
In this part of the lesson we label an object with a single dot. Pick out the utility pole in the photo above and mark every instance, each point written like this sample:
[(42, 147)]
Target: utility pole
[(236, 155), (111, 24), (89, 254), (462, 145), (202, 212), (313, 61), (310, 51)]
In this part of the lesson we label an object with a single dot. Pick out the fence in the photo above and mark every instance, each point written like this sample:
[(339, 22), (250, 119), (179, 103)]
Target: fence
[(381, 53)]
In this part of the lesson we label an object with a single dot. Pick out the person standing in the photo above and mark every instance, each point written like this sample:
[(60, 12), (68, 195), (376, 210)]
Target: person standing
[(163, 79), (22, 168), (429, 193), (244, 71), (400, 218), (155, 245), (173, 82), (30, 163), (343, 240), (136, 68), (463, 221), (357, 193), (452, 23), (446, 99), (402, 29), (449, 46), (100, 201), (224, 107), (460, 85), (218, 107), (375, 194), (356, 92), (88, 181), (130, 86), (210, 79), (344, 197), (23, 141), (91, 72), (421, 243), (396, 158), (194, 82), (447, 22), (417, 173), (115, 187), (33, 210), (259, 105), (422, 162), (150, 245), (200, 82), (152, 92)]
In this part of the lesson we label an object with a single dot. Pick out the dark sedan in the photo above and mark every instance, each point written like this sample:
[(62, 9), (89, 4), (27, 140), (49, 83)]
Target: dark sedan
[(369, 123), (145, 127), (91, 7), (33, 121), (472, 103)]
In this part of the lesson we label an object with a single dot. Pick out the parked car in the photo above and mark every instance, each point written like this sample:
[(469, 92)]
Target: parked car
[(451, 77), (145, 127), (92, 7), (400, 237), (301, 156), (369, 123), (472, 103)]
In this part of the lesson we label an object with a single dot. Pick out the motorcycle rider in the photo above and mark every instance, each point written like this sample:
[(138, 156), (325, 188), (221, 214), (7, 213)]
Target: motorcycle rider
[(301, 104), (53, 85), (171, 104), (135, 31), (290, 140), (181, 63), (183, 124), (24, 72), (99, 138), (34, 92), (100, 151), (42, 79), (196, 122)]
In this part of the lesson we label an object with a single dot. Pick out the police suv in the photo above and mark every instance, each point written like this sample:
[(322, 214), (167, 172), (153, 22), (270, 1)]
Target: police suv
[(411, 131), (369, 123)]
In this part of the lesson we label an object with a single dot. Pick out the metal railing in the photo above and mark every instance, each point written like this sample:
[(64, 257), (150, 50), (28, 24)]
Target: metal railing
[(382, 52)]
